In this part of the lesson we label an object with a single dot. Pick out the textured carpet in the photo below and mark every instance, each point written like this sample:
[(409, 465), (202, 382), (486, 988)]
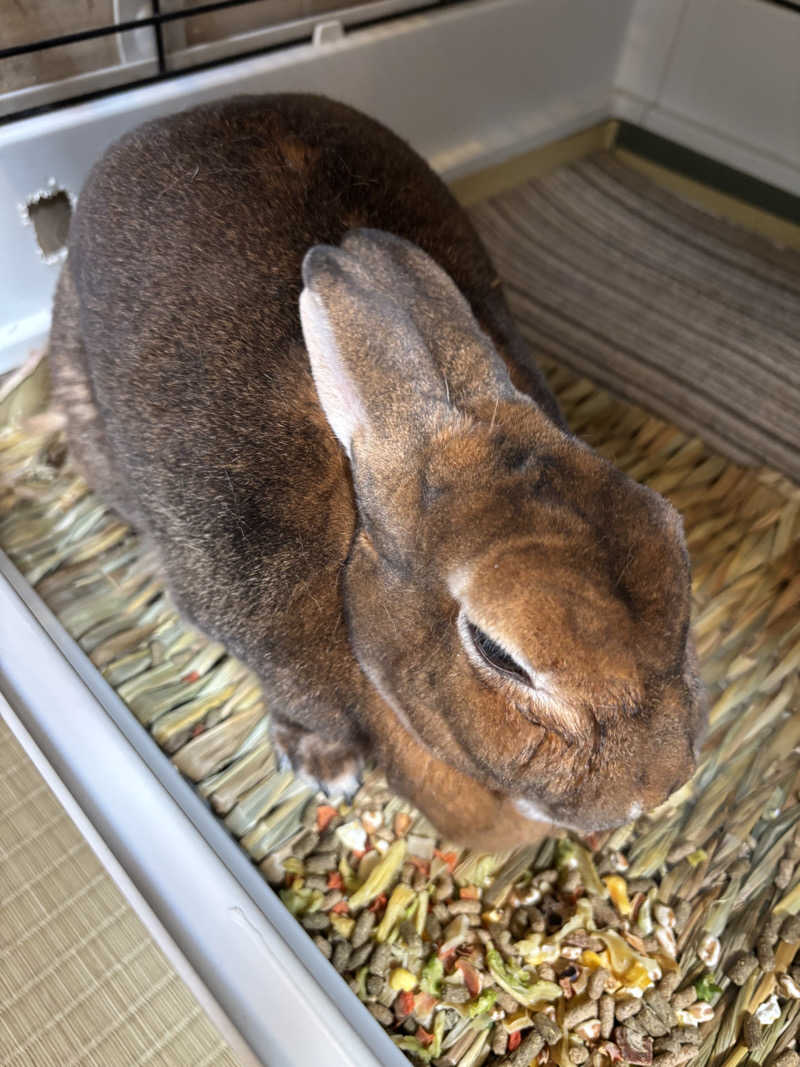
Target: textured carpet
[(666, 305)]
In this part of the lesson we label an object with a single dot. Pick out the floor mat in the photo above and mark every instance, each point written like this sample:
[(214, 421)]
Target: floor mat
[(677, 310), (81, 980)]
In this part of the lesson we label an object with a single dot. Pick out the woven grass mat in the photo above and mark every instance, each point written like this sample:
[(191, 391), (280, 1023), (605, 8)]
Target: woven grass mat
[(678, 310), (81, 980), (724, 851)]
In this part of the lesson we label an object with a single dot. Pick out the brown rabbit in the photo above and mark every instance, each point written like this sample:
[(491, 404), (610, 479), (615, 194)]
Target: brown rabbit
[(381, 512)]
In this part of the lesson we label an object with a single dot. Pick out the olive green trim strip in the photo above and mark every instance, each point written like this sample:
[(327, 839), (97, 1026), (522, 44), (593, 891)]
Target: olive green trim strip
[(709, 171)]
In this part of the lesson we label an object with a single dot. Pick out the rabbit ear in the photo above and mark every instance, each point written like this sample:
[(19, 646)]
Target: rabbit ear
[(466, 357), (373, 373)]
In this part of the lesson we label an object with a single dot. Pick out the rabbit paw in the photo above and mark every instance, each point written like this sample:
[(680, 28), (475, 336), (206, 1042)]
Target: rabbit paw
[(335, 767)]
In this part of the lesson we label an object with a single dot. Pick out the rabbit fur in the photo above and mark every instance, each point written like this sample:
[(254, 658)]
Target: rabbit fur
[(373, 500)]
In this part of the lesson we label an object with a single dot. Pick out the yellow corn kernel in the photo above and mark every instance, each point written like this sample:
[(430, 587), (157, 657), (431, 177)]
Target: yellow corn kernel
[(637, 977), (618, 891), (343, 925), (402, 980)]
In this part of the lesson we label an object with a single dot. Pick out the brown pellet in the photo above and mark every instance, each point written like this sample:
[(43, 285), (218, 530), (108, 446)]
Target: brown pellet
[(341, 956), (331, 899), (381, 1013), (578, 1012), (766, 954), (443, 889), (640, 885), (636, 1025), (359, 956), (578, 1055), (315, 922), (572, 882), (519, 925), (374, 985), (414, 945), (665, 1059), (661, 1006), (788, 1058), (549, 1030), (688, 1035), (499, 1041), (685, 997), (321, 862), (442, 912), (740, 970), (407, 930), (669, 983), (790, 929), (465, 906), (582, 940), (433, 928), (604, 914), (379, 960), (537, 923), (457, 994), (387, 996), (674, 1059), (670, 1043), (596, 985), (605, 1013), (752, 1031), (651, 1022), (683, 910), (546, 972), (528, 1048), (506, 1001), (324, 945), (316, 881), (626, 1009), (771, 927), (363, 928), (783, 875), (305, 844)]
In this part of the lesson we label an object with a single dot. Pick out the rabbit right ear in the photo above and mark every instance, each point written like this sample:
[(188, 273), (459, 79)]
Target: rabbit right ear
[(465, 356), (373, 372)]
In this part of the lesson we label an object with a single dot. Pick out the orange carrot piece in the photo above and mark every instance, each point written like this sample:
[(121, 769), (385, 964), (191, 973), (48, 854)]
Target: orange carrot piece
[(324, 815)]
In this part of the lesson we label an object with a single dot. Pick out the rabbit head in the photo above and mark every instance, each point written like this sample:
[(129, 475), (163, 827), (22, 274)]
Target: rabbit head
[(520, 605)]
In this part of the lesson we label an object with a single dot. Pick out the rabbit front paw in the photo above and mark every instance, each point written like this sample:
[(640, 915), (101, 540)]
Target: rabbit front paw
[(335, 767)]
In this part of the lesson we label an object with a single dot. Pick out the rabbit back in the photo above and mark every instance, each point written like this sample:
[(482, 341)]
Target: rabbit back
[(178, 353)]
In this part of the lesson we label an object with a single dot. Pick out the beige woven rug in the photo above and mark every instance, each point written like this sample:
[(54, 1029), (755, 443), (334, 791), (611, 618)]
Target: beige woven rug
[(81, 980), (663, 303)]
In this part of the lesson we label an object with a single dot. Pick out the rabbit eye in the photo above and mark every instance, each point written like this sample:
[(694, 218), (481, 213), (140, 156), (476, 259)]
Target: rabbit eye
[(496, 656)]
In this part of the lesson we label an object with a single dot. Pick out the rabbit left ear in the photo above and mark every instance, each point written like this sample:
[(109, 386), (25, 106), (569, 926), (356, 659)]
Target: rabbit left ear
[(374, 376)]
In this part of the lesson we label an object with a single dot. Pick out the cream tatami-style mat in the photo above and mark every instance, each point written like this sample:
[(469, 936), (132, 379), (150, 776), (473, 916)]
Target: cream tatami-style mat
[(81, 980)]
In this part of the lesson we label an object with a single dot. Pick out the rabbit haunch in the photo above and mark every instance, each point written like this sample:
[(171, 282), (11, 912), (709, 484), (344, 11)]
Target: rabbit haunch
[(379, 509)]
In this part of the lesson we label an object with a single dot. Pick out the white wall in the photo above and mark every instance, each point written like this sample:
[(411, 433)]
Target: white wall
[(467, 86), (719, 76)]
